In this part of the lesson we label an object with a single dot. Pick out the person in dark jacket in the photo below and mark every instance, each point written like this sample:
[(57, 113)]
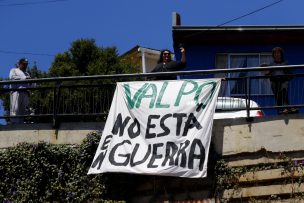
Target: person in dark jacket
[(166, 64), (280, 80)]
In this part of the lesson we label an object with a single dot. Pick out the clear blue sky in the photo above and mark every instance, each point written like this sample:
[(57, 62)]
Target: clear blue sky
[(49, 27)]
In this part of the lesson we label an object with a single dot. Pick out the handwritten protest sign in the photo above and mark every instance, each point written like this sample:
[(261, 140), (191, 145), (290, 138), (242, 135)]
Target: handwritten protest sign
[(158, 127)]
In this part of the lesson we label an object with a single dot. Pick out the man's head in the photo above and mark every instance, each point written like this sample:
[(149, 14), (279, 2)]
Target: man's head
[(278, 54), (22, 63)]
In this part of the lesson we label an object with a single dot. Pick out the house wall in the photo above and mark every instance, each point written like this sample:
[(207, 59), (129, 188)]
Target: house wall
[(203, 57), (150, 64)]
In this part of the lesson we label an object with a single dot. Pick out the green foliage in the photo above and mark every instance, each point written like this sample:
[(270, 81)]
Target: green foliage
[(36, 73), (84, 57), (228, 178), (83, 52), (4, 100), (63, 66), (50, 173)]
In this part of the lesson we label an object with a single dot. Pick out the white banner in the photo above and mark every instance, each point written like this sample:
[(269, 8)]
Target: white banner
[(158, 127)]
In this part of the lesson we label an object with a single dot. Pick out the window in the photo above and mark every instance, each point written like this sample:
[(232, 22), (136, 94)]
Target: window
[(238, 87)]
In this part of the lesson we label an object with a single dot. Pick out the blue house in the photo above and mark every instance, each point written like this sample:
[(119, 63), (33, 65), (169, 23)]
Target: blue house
[(228, 47)]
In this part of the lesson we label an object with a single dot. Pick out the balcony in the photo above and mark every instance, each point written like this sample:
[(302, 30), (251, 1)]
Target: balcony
[(88, 98)]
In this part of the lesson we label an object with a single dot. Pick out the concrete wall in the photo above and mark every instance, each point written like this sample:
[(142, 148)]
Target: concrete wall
[(276, 134), (230, 136), (67, 133), (237, 140)]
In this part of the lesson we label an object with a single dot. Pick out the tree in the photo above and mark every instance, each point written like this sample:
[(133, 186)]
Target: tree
[(63, 66), (36, 73), (84, 57)]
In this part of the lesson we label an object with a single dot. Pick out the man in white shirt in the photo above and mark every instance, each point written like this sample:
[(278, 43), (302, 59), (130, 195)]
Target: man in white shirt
[(19, 99)]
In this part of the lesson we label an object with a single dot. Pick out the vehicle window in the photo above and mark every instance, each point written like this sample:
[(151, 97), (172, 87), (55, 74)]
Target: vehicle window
[(229, 104)]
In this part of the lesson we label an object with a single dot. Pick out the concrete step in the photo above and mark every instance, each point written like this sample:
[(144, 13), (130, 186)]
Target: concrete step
[(262, 191), (269, 175)]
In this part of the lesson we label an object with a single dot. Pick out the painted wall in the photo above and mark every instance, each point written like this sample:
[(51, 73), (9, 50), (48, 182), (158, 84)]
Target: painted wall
[(202, 57)]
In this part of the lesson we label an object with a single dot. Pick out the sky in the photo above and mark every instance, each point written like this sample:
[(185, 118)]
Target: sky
[(40, 29)]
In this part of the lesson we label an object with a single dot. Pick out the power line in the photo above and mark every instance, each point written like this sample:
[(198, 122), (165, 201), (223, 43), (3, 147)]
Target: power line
[(237, 18), (23, 4), (31, 3), (26, 53), (252, 12)]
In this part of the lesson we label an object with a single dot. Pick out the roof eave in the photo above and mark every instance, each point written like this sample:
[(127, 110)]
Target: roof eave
[(238, 34)]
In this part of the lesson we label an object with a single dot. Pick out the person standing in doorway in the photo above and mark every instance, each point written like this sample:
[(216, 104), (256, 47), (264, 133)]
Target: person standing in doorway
[(19, 98)]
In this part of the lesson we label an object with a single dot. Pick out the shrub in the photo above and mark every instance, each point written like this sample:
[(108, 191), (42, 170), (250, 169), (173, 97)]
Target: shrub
[(50, 173)]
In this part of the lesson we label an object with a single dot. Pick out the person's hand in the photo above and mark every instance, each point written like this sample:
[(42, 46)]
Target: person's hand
[(264, 65), (28, 77), (267, 72), (183, 52), (182, 49)]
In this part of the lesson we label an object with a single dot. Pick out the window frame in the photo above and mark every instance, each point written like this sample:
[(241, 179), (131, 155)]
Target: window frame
[(259, 55)]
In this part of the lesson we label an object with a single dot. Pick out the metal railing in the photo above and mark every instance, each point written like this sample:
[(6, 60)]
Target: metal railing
[(86, 98)]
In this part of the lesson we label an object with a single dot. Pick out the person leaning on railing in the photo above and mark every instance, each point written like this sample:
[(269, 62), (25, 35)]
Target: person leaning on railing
[(19, 99), (280, 81), (166, 64)]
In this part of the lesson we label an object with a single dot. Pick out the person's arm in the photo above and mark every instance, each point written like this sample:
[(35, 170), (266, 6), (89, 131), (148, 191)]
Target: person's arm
[(178, 65), (27, 75), (183, 52), (15, 75)]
